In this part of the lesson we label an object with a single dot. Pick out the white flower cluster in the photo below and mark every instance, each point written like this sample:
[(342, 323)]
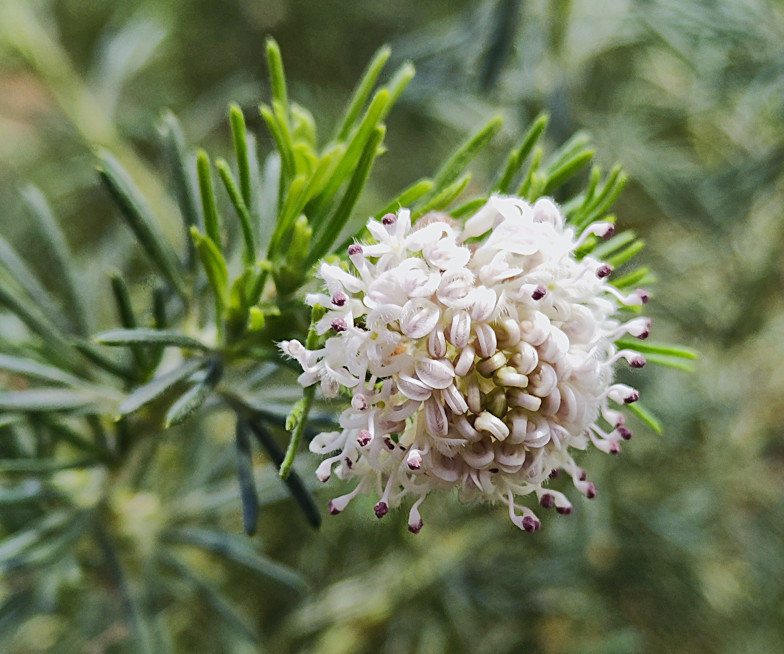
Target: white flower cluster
[(476, 356)]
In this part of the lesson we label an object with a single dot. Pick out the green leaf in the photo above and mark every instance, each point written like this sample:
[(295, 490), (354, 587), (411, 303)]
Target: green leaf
[(238, 549), (195, 396), (347, 165), (58, 255), (362, 92), (28, 282), (158, 386), (243, 213), (296, 487), (127, 318), (443, 199), (676, 363), (646, 416), (465, 153), (181, 170), (556, 176), (211, 220), (43, 466), (18, 548), (472, 206), (247, 482), (664, 349), (613, 244), (239, 135), (218, 602), (46, 399), (626, 254), (217, 271), (36, 370), (283, 143), (634, 278), (138, 217), (516, 157), (31, 490), (276, 73), (397, 85), (145, 336), (342, 214)]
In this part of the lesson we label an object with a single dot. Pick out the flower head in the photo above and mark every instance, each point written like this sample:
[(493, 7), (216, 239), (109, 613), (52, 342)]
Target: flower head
[(478, 356)]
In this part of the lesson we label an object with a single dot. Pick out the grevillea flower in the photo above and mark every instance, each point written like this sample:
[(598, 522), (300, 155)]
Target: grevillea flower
[(476, 355)]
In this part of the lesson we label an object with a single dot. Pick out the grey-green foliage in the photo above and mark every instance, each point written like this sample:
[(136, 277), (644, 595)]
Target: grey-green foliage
[(128, 531)]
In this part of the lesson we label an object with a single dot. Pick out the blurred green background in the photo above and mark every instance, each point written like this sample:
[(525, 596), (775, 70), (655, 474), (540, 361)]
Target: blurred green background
[(683, 549)]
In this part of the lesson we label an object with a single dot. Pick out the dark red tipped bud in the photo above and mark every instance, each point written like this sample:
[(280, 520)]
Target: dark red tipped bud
[(339, 325), (354, 249), (563, 510), (530, 524), (389, 219), (416, 528), (604, 271), (539, 292), (547, 501), (624, 432), (339, 299), (363, 437), (381, 509), (333, 510), (590, 492)]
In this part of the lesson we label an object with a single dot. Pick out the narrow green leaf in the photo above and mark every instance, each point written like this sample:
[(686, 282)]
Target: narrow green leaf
[(276, 72), (243, 213), (195, 396), (298, 417), (212, 225), (646, 416), (516, 157), (397, 85), (402, 201), (613, 244), (31, 490), (142, 627), (362, 92), (668, 362), (294, 483), (37, 370), (349, 161), (284, 145), (575, 145), (524, 190), (556, 176), (627, 254), (181, 171), (43, 466), (443, 199), (247, 482), (472, 206), (665, 349), (144, 336), (288, 214), (238, 549), (158, 386), (239, 135), (465, 153), (46, 399), (138, 217), (634, 278), (58, 254), (127, 317), (217, 271), (14, 547), (342, 214), (214, 598)]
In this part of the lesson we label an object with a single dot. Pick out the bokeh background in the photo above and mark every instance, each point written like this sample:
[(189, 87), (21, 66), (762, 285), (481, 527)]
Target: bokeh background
[(683, 549)]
